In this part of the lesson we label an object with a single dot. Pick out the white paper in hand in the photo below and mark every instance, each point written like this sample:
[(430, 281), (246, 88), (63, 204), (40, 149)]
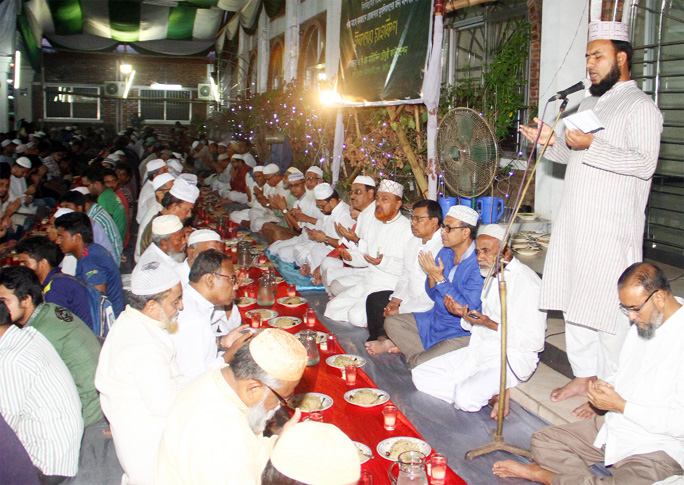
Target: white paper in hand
[(585, 121)]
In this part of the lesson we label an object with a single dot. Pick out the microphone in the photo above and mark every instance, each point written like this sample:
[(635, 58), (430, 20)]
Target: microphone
[(580, 86)]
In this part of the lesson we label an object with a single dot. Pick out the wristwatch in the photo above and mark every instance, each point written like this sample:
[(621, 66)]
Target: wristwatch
[(284, 211)]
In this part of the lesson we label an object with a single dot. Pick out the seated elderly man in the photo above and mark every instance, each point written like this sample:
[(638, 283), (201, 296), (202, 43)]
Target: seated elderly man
[(312, 452), (255, 179), (469, 377), (259, 216), (287, 227), (409, 296), (223, 414), (236, 192), (640, 436), (137, 376), (212, 287), (198, 242), (168, 245), (161, 185), (454, 272), (388, 234), (146, 197)]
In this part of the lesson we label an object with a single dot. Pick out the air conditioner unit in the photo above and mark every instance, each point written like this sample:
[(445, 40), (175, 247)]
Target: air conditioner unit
[(115, 89), (204, 92)]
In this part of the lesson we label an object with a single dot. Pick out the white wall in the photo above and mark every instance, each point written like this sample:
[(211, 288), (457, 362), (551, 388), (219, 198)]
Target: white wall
[(563, 45)]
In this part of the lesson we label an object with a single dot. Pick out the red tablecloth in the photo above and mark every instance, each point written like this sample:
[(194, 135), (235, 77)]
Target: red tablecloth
[(360, 424)]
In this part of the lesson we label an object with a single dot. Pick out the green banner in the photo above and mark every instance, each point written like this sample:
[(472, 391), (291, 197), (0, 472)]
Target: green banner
[(383, 49)]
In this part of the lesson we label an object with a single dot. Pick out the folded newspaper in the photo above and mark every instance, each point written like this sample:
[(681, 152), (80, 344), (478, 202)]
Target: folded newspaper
[(585, 121)]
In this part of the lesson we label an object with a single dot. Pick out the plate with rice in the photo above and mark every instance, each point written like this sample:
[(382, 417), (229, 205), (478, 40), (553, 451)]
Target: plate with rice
[(366, 397), (342, 360), (311, 401), (391, 448)]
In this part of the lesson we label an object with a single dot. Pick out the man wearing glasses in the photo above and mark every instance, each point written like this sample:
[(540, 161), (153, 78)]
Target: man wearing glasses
[(640, 436), (211, 289)]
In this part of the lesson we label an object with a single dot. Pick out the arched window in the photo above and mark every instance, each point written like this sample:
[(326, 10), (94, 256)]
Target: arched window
[(275, 65), (312, 54)]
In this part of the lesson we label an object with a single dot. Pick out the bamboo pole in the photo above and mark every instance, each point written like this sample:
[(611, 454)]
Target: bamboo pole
[(418, 171)]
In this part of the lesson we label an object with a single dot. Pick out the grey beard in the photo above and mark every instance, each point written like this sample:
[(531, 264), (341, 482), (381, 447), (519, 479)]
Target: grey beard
[(258, 416), (178, 257), (649, 330)]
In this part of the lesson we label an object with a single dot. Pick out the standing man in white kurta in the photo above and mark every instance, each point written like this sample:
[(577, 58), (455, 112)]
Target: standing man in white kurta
[(388, 236), (600, 223)]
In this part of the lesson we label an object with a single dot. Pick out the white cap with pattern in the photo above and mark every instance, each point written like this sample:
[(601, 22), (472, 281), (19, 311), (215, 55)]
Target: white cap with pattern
[(391, 187), (166, 224), (183, 190), (153, 278), (464, 214)]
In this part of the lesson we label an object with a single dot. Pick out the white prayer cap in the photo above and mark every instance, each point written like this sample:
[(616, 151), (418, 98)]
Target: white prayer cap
[(464, 214), (258, 168), (316, 170), (119, 152), (223, 144), (175, 164), (153, 278), (211, 142), (236, 156), (249, 159), (608, 31), (497, 231), (234, 146), (109, 161), (21, 148), (271, 169), (280, 354), (5, 143), (83, 190), (190, 178), (293, 170), (295, 177), (323, 191), (121, 133), (61, 211), (155, 164), (184, 190), (39, 133), (24, 162), (162, 179), (179, 156), (317, 454), (168, 224), (17, 141), (364, 180), (391, 187), (203, 235), (223, 156), (30, 144), (195, 144)]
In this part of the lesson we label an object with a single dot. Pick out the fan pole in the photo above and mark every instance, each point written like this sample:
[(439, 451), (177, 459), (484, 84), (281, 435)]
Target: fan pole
[(498, 443)]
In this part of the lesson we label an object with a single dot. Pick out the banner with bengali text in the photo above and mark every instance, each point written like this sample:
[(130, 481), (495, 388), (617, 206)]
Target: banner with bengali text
[(383, 50)]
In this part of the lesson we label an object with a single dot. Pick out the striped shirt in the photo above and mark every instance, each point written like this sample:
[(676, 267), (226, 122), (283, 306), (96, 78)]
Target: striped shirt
[(100, 215), (38, 399), (600, 225)]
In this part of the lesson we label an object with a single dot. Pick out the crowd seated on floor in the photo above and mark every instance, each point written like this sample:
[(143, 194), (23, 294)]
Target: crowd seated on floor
[(117, 319)]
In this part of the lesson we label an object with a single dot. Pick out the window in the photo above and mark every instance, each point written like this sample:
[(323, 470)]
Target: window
[(162, 108), (275, 65), (69, 102), (312, 55), (252, 72)]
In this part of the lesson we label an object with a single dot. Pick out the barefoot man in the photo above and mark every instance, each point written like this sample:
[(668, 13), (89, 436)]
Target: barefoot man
[(600, 223), (641, 437)]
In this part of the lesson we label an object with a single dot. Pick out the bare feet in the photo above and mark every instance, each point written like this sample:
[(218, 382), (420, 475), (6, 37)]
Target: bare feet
[(305, 270), (381, 346), (585, 411), (513, 469), (576, 387), (494, 403)]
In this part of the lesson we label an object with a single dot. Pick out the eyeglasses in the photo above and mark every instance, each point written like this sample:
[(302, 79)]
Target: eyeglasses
[(283, 401), (448, 229), (627, 310), (418, 218), (312, 178), (234, 279), (358, 191)]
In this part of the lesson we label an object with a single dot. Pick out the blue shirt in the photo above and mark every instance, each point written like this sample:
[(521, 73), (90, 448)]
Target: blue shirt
[(97, 267), (68, 292), (464, 283)]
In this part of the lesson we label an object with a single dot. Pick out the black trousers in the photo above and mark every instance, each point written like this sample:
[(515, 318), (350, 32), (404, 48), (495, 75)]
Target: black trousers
[(375, 305)]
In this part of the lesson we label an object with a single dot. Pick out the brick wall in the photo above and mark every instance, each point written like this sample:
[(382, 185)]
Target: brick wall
[(95, 69), (535, 17)]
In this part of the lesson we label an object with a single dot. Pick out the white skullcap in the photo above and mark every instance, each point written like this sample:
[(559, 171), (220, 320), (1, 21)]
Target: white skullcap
[(168, 224), (17, 141), (364, 180), (249, 159), (236, 156), (184, 190), (175, 164), (190, 178), (293, 170), (153, 278), (21, 148), (323, 191), (5, 143), (464, 214), (30, 144), (83, 190), (316, 170), (271, 169), (223, 156), (280, 354), (121, 133), (497, 231), (155, 164), (317, 454), (119, 152), (234, 145), (179, 156), (223, 144), (109, 161), (39, 133), (394, 188), (24, 162), (258, 168), (203, 235), (162, 179), (61, 211), (295, 177), (608, 31), (195, 144), (211, 142)]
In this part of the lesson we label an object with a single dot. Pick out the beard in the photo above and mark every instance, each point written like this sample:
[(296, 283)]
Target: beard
[(383, 216), (484, 270), (648, 331), (258, 416), (170, 323), (177, 256), (607, 82)]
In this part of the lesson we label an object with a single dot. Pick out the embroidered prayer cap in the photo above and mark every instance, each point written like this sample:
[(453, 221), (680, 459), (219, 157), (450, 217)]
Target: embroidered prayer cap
[(258, 168), (21, 148), (317, 454), (323, 191), (293, 170), (463, 214), (394, 188), (497, 231), (223, 156), (316, 170), (155, 164), (61, 211), (364, 180), (203, 235), (167, 224), (174, 164), (295, 177), (190, 178), (24, 162), (615, 29), (280, 354), (153, 278), (161, 180), (271, 169), (184, 190), (83, 190)]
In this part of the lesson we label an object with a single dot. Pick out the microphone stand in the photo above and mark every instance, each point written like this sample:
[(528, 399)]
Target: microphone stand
[(498, 443)]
